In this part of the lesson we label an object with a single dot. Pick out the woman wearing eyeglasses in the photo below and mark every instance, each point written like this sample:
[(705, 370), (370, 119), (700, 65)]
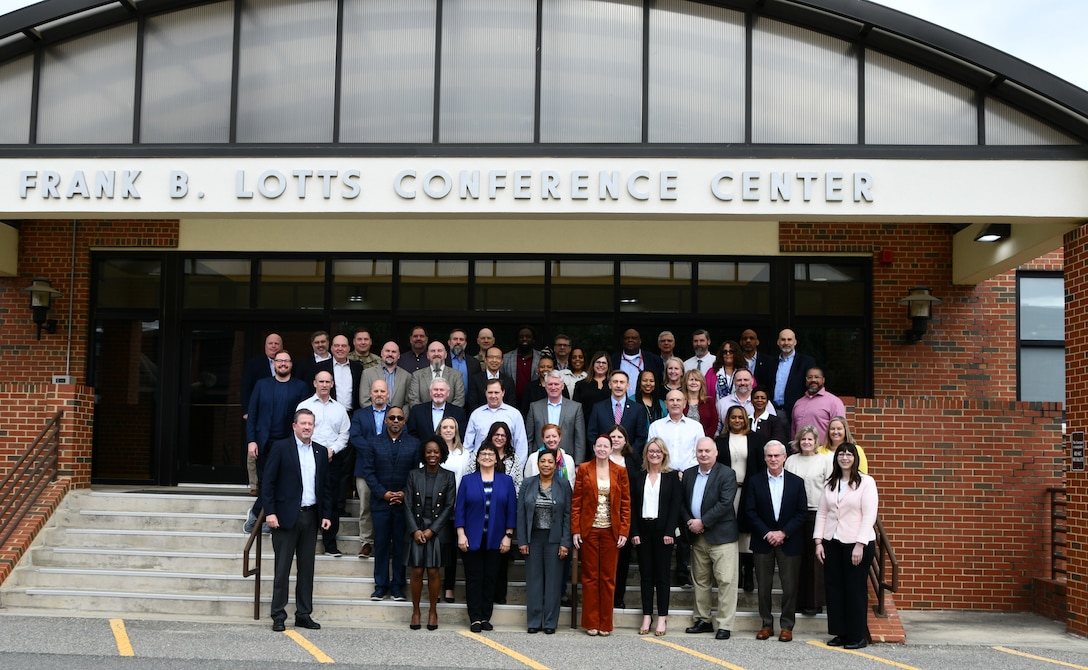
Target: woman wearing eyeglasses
[(845, 544), (719, 378)]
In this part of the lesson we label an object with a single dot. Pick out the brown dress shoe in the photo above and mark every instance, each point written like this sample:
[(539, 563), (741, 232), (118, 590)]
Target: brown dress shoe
[(764, 633), (365, 550), (785, 636)]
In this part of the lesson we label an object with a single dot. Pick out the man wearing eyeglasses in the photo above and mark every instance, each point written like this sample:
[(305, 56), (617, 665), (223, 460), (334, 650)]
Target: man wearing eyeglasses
[(387, 460)]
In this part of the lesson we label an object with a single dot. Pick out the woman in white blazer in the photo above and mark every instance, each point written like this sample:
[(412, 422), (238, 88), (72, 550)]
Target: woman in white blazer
[(845, 544)]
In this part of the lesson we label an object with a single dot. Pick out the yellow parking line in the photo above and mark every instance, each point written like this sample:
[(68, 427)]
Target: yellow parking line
[(1040, 658), (694, 653), (878, 659), (308, 646), (124, 645), (506, 650)]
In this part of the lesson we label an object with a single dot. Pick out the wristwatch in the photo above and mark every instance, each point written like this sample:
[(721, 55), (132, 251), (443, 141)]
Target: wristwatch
[(510, 535)]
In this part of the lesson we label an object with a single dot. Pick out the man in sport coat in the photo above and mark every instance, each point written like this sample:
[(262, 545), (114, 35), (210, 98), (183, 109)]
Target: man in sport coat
[(296, 494), (397, 379), (603, 416), (424, 418), (571, 421), (776, 505)]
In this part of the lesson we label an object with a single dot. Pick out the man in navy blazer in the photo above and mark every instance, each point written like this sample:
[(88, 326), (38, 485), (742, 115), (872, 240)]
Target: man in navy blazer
[(603, 416), (776, 505), (787, 374), (633, 359), (296, 493), (421, 419), (367, 422)]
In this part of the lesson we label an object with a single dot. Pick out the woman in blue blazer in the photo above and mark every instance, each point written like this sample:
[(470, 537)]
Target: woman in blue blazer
[(485, 517), (544, 539)]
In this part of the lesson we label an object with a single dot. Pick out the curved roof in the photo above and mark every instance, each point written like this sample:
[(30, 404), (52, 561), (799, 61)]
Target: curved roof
[(977, 65)]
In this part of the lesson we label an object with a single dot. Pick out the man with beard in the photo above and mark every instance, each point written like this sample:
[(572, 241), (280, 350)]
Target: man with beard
[(397, 380), (419, 391), (416, 356), (458, 358), (817, 406), (520, 364), (703, 360)]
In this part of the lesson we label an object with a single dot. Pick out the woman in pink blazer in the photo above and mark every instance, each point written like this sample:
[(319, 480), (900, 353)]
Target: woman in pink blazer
[(845, 544)]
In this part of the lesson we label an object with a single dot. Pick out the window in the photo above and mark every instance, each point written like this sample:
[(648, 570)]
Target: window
[(1040, 325)]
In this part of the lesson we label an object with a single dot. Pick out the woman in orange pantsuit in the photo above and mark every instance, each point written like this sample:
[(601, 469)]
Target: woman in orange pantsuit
[(600, 521)]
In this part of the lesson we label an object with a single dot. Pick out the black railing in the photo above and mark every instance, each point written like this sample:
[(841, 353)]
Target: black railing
[(254, 539), (1058, 530), (30, 475), (878, 571)]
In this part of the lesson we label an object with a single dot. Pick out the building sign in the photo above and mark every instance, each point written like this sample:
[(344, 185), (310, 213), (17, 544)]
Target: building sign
[(1076, 444)]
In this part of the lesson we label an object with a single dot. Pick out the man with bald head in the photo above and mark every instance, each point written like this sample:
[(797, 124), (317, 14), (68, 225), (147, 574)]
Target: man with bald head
[(633, 359), (485, 339), (366, 423), (758, 364), (397, 379), (788, 374), (419, 390)]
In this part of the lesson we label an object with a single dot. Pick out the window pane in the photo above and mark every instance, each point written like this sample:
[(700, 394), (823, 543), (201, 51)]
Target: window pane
[(291, 285), (187, 75), (839, 351), (488, 71), (362, 285), (388, 71), (1007, 125), (591, 71), (735, 287), (829, 290), (126, 398), (434, 285), (128, 283), (1042, 308), (1042, 374), (691, 99), (509, 286), (583, 286), (87, 88), (655, 287), (217, 283), (905, 104), (16, 82), (286, 71)]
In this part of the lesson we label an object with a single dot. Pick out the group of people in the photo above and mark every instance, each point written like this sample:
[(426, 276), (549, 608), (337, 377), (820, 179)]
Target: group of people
[(537, 453)]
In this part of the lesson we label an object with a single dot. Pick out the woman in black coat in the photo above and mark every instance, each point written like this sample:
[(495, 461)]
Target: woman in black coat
[(429, 497), (741, 450), (656, 500)]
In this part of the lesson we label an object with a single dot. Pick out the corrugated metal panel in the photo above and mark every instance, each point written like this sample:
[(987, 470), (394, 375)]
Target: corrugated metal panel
[(286, 71), (16, 87), (696, 79), (187, 75), (87, 89), (804, 86), (905, 104), (387, 85), (591, 71), (1006, 125), (488, 71)]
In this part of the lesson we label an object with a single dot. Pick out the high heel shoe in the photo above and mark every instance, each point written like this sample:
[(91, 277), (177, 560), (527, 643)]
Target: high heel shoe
[(662, 626), (415, 621), (432, 620), (645, 629)]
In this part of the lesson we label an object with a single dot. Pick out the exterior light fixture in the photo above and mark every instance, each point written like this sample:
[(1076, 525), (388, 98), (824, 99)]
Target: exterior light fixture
[(995, 232), (919, 308), (42, 294)]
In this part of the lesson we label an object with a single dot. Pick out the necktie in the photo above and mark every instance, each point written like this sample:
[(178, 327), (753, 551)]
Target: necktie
[(619, 412), (437, 371), (700, 363)]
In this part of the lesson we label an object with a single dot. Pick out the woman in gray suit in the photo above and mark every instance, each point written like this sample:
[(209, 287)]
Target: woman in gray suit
[(544, 539)]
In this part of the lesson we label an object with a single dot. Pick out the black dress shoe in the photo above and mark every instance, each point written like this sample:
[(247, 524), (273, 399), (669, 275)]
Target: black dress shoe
[(533, 631), (722, 634), (307, 622), (835, 642), (448, 599), (565, 602), (500, 601), (856, 645), (620, 605), (486, 625), (278, 627), (549, 631), (476, 627), (699, 627)]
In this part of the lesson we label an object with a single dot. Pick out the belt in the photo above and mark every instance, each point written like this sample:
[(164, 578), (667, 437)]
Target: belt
[(306, 508), (649, 518)]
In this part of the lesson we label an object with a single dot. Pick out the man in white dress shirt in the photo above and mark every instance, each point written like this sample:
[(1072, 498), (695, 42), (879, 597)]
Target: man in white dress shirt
[(496, 410)]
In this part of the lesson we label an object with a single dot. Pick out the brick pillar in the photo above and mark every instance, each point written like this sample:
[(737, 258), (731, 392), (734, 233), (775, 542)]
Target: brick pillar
[(1076, 398)]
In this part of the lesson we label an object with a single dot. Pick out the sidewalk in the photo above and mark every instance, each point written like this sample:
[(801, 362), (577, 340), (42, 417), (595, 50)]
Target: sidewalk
[(924, 627)]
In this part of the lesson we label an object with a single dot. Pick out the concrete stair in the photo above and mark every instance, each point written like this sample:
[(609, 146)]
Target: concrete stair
[(179, 556)]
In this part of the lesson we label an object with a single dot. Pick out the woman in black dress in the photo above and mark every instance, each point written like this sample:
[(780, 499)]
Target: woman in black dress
[(429, 501)]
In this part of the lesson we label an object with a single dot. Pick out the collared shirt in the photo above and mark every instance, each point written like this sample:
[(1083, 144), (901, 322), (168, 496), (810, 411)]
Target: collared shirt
[(700, 363), (730, 400), (379, 419), (390, 378), (816, 409), (483, 417), (554, 411), (309, 472), (437, 414), (461, 365), (780, 377), (632, 365), (776, 484), (341, 374), (697, 492), (680, 437), (331, 422)]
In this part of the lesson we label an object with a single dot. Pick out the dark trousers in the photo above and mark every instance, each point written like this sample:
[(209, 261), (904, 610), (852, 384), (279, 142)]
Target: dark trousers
[(299, 541), (788, 569), (683, 559), (847, 591), (389, 533), (654, 557), (502, 579), (543, 581), (481, 569), (341, 470), (810, 582)]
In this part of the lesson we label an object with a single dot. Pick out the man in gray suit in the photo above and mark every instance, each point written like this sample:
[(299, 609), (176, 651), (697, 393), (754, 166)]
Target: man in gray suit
[(419, 391), (561, 411), (711, 525), (396, 378)]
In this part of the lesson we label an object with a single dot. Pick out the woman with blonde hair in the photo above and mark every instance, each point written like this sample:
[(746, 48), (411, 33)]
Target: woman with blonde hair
[(456, 462), (814, 468), (838, 433), (656, 500), (701, 407)]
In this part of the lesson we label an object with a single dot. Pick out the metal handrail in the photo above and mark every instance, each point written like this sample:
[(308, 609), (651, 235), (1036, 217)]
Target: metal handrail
[(28, 478), (255, 537), (1058, 530), (878, 572)]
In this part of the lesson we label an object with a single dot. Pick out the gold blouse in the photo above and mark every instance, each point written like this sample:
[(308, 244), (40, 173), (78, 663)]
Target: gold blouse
[(602, 518)]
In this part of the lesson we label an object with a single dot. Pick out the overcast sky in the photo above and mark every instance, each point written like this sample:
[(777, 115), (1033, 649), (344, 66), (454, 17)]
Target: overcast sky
[(1047, 34)]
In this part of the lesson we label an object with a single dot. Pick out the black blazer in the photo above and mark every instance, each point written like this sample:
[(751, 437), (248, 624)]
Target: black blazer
[(255, 369), (651, 362), (442, 505), (764, 372), (670, 500), (759, 510), (634, 420), (772, 427), (356, 379), (281, 487), (795, 381), (477, 388), (421, 425)]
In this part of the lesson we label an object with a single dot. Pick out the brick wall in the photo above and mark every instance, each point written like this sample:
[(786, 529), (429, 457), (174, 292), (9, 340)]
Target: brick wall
[(1076, 390)]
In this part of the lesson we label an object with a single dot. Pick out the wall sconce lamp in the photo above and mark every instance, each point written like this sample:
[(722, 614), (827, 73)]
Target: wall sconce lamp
[(919, 308), (995, 232), (42, 294)]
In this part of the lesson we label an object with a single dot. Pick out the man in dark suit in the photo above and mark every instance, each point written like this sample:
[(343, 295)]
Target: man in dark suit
[(633, 415), (306, 366), (520, 364), (424, 418), (787, 375), (254, 369), (297, 495), (367, 422), (711, 523), (758, 364), (634, 359), (387, 459), (775, 505), (347, 376), (477, 384), (566, 413)]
